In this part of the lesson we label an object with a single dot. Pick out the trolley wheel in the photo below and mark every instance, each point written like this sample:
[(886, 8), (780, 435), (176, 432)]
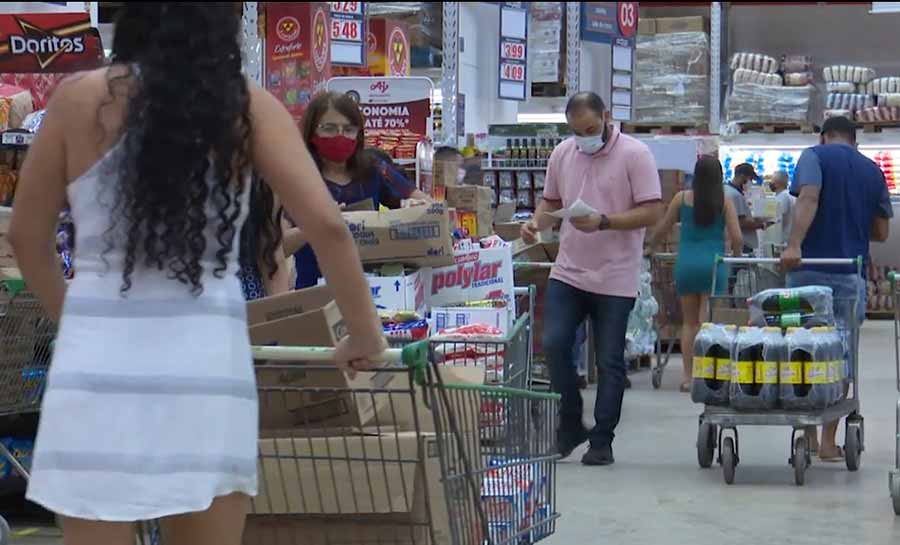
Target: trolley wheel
[(729, 460), (853, 445), (4, 531), (656, 378), (800, 461), (706, 444)]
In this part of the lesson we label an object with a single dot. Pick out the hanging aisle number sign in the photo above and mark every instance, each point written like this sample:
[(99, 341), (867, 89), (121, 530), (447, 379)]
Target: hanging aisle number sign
[(348, 33), (513, 50)]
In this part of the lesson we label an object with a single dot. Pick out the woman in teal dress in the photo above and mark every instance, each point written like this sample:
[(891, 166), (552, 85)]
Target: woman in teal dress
[(705, 216)]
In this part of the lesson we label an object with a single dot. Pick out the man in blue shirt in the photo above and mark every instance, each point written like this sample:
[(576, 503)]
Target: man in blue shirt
[(842, 204)]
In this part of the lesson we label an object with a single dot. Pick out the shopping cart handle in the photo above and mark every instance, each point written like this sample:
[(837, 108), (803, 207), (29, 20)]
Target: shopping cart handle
[(13, 286), (413, 356), (531, 265), (775, 261), (893, 277)]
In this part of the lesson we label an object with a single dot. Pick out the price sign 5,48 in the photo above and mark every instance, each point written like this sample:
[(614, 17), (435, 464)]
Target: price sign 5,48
[(346, 29), (512, 72), (513, 51)]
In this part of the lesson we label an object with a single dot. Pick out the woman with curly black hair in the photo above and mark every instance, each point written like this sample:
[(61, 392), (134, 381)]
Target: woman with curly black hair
[(150, 409)]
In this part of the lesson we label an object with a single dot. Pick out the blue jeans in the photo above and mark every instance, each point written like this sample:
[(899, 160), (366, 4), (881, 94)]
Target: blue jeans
[(845, 288), (566, 309), (579, 350)]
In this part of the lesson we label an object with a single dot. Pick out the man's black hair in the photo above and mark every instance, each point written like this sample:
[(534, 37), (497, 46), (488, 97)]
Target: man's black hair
[(841, 126), (586, 100)]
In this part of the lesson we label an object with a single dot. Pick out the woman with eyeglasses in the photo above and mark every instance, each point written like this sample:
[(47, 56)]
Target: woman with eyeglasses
[(333, 129)]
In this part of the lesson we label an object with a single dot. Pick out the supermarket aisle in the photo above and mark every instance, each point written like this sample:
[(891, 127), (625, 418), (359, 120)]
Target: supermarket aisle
[(656, 493)]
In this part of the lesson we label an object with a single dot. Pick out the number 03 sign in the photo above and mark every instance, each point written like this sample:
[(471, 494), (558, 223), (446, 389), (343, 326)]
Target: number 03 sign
[(513, 51)]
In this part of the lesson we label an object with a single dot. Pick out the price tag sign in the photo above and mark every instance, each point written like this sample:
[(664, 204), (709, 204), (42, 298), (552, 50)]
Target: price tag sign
[(347, 8), (512, 50), (513, 57), (348, 34)]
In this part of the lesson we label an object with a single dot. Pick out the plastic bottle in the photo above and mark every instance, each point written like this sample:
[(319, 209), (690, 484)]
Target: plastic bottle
[(793, 393), (838, 361), (711, 364), (754, 381), (807, 306)]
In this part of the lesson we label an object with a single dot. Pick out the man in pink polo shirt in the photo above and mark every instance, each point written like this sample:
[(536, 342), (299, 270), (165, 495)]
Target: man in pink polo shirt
[(596, 273)]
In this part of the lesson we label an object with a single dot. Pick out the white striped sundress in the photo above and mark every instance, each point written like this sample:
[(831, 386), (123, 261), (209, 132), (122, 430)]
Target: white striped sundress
[(151, 406)]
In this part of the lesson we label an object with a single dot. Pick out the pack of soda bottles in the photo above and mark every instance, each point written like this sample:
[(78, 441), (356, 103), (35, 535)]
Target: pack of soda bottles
[(753, 368), (809, 306)]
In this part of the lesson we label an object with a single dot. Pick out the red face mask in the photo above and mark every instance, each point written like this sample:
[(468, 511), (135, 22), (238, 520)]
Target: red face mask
[(337, 149)]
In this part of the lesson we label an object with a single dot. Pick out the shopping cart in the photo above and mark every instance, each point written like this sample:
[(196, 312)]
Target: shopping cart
[(26, 334), (507, 360), (742, 284), (717, 428), (894, 477), (443, 482), (668, 319)]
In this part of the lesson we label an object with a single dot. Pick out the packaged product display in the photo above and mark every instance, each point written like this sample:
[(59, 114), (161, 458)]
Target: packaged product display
[(755, 62), (886, 85), (848, 101), (805, 378), (879, 113), (796, 64), (843, 72), (712, 373), (754, 374), (799, 79), (798, 307), (672, 78), (754, 103), (640, 337), (743, 75)]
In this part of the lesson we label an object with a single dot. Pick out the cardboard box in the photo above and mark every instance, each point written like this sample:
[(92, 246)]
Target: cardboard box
[(646, 26), (671, 25), (508, 231), (417, 236), (276, 307), (315, 396), (478, 200), (671, 182), (401, 292), (467, 415), (731, 316), (348, 490), (445, 318), (476, 275)]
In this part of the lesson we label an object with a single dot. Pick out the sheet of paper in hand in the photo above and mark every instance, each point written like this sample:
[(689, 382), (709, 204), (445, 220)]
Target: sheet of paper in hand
[(578, 209)]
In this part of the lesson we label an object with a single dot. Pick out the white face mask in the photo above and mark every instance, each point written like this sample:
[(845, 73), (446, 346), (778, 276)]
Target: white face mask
[(460, 175), (590, 144)]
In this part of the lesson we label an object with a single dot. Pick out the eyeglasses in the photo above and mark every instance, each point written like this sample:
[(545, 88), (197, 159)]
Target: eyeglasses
[(333, 129)]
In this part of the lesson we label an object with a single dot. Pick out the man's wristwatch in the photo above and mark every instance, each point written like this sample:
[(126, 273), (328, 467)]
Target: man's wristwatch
[(604, 223)]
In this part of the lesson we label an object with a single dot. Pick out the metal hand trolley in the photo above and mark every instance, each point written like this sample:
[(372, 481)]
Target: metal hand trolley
[(717, 428), (446, 481), (668, 319), (26, 335), (894, 476)]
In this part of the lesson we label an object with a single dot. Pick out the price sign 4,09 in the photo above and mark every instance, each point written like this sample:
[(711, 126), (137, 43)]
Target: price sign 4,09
[(512, 50), (512, 72)]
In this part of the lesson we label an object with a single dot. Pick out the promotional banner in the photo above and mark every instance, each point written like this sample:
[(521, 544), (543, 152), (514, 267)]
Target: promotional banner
[(298, 52), (601, 22), (397, 110), (48, 42)]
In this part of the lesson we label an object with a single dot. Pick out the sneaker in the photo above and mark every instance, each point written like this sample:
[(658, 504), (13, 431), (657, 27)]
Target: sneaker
[(599, 456), (567, 442)]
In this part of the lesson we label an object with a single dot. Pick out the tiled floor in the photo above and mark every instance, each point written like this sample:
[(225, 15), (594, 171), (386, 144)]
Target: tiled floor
[(655, 494)]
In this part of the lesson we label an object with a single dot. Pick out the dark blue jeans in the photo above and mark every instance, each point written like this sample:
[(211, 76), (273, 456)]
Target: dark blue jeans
[(566, 308)]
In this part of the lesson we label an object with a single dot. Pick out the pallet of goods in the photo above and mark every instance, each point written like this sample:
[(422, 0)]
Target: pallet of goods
[(770, 95)]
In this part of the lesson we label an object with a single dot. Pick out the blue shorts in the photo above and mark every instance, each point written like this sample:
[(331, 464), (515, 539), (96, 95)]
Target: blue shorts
[(844, 287)]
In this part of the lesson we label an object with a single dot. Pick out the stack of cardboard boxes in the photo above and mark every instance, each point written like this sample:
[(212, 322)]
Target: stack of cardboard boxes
[(343, 459)]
